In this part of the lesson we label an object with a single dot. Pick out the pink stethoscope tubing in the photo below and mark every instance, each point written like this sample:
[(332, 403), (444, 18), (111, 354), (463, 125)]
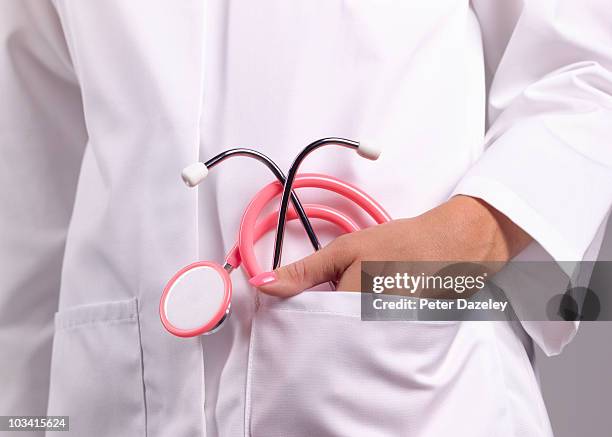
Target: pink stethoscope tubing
[(247, 237), (312, 211)]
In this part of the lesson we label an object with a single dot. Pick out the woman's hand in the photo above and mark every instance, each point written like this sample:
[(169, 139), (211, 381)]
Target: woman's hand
[(461, 229)]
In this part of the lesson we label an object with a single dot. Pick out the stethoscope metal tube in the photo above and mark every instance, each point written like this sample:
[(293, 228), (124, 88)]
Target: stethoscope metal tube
[(288, 187), (278, 174)]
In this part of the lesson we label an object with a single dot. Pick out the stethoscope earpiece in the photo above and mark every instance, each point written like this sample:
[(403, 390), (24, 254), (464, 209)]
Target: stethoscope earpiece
[(369, 151), (194, 173), (196, 300)]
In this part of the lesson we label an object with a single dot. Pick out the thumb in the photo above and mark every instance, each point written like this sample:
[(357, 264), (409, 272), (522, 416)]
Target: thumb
[(322, 266)]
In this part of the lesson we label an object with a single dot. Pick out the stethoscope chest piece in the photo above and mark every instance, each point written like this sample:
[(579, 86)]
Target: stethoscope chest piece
[(196, 300)]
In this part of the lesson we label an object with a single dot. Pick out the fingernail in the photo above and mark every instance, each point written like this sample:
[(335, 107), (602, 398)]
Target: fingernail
[(264, 278)]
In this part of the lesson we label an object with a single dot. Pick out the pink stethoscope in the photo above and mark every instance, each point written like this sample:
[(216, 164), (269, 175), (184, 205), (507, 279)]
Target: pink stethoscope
[(197, 299)]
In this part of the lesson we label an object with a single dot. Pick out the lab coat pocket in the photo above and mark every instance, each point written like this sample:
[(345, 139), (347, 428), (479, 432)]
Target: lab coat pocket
[(315, 368), (96, 369)]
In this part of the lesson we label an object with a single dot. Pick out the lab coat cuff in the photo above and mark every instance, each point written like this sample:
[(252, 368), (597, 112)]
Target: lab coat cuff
[(554, 193)]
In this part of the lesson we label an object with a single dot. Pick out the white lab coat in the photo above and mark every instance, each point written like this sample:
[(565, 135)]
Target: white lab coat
[(104, 102)]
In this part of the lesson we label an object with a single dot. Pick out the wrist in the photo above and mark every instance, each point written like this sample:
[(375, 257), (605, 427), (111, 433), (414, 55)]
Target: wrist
[(485, 233)]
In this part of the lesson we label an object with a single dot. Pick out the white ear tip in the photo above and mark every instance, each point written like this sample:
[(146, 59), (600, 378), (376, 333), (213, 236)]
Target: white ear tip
[(194, 174), (369, 151)]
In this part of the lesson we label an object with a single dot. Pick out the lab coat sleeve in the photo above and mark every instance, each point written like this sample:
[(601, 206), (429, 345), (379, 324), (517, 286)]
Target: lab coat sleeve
[(548, 158), (547, 163), (42, 137)]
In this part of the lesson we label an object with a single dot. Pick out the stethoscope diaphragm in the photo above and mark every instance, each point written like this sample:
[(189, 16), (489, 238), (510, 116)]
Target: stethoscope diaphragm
[(196, 300)]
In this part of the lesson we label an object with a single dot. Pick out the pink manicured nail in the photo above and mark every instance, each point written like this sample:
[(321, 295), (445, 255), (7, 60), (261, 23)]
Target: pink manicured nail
[(264, 278)]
